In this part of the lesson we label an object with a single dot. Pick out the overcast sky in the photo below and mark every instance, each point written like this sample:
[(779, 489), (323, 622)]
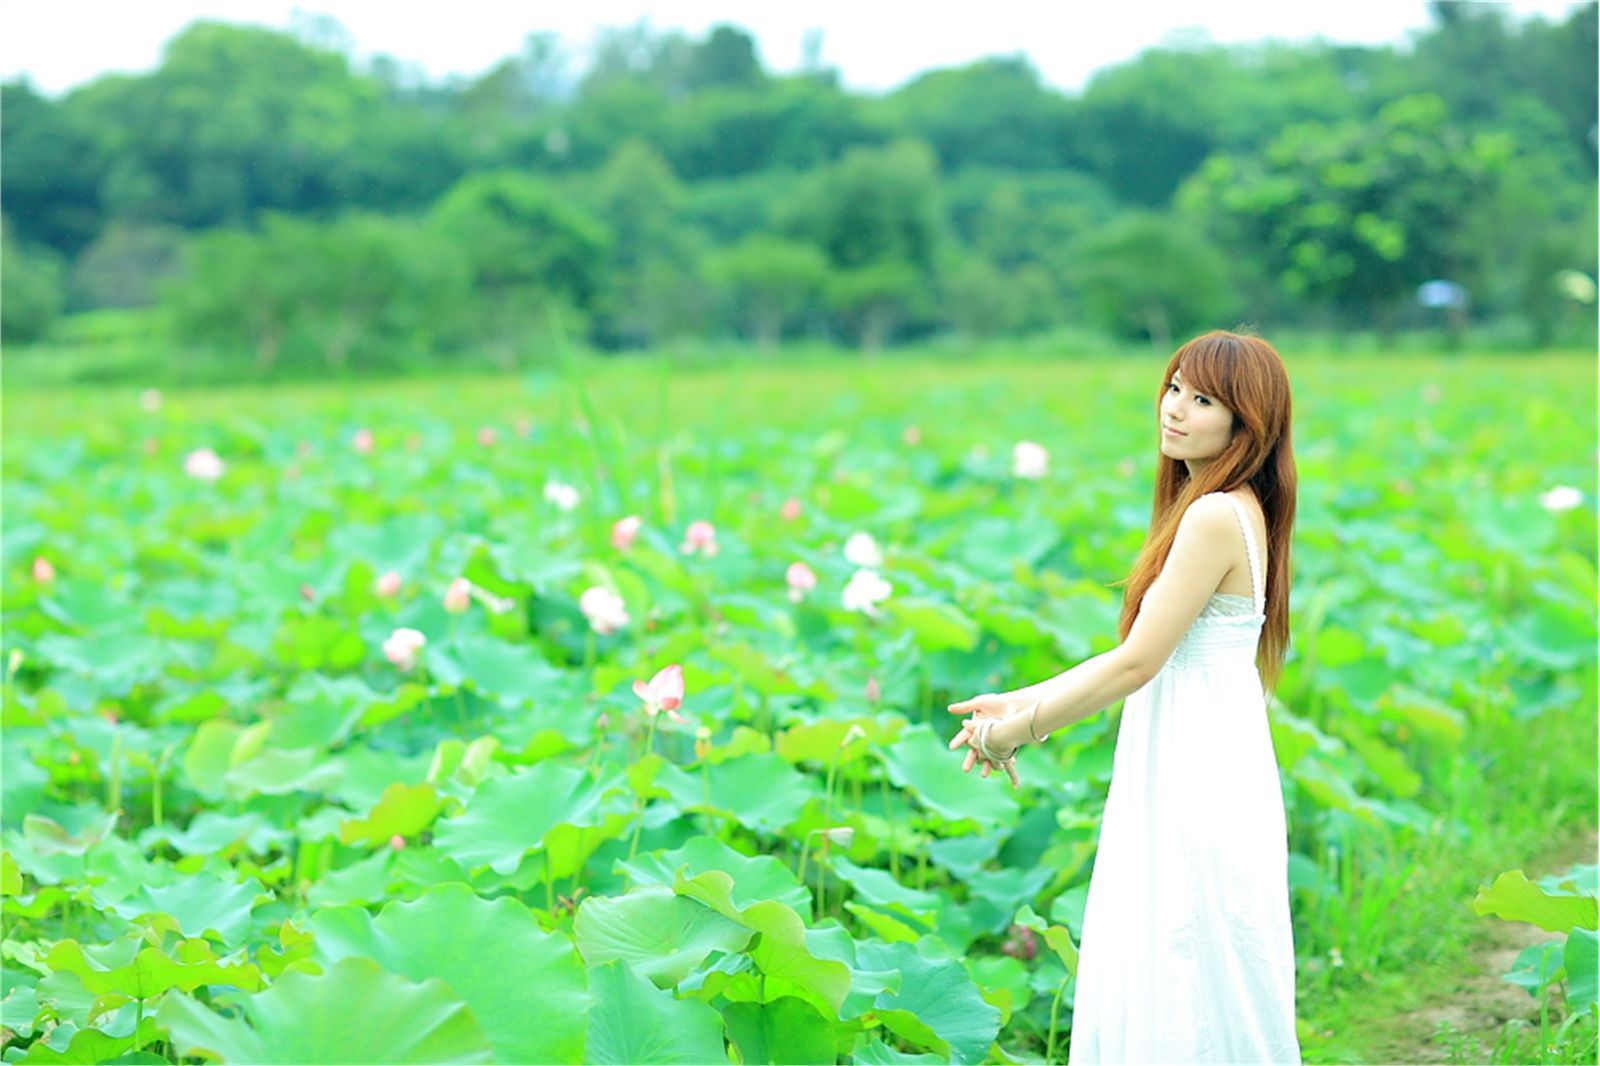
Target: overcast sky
[(875, 44)]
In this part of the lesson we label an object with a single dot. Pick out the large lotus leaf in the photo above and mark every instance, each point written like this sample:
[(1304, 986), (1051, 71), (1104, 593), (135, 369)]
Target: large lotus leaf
[(755, 877), (782, 951), (19, 1009), (10, 875), (321, 711), (877, 1053), (318, 642), (937, 1007), (879, 886), (151, 971), (526, 987), (368, 771), (211, 833), (1581, 958), (364, 881), (279, 771), (937, 626), (660, 934), (200, 905), (354, 1012), (786, 1030), (923, 763), (819, 741), (834, 943), (509, 816), (763, 792), (209, 756), (1580, 880), (48, 837), (115, 1036), (1560, 636), (1516, 899), (23, 781), (76, 602), (633, 1021), (404, 810), (495, 667), (400, 543), (120, 657), (1536, 966)]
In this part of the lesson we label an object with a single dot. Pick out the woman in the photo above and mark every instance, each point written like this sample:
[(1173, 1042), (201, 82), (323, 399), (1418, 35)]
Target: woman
[(1187, 952)]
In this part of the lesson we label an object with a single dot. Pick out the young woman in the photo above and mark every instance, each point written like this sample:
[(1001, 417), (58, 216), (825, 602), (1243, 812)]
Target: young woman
[(1187, 952)]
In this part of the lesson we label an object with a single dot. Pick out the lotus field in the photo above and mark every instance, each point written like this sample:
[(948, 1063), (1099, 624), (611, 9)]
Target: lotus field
[(602, 718)]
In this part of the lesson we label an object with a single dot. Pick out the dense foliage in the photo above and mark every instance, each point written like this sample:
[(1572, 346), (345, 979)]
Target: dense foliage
[(674, 187), (322, 706)]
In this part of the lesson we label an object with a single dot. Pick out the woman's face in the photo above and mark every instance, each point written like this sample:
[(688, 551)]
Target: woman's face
[(1204, 427)]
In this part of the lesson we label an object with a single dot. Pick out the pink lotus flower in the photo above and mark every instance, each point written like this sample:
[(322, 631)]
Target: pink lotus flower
[(307, 593), (791, 509), (1029, 460), (203, 463), (873, 692), (402, 647), (561, 494), (487, 436), (842, 835), (458, 597), (43, 572), (624, 531), (363, 440), (912, 435), (397, 842), (604, 609), (387, 586), (150, 400), (701, 536), (663, 693), (801, 580)]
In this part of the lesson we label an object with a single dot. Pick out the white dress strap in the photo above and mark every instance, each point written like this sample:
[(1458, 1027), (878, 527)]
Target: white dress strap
[(1257, 596)]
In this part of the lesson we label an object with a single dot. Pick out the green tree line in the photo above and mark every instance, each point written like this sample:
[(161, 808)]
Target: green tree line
[(260, 195)]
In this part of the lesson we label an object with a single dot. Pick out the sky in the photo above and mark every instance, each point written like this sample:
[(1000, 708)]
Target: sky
[(875, 44)]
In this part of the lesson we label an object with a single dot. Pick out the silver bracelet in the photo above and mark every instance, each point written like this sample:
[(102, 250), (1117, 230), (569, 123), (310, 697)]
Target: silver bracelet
[(1033, 711), (983, 742)]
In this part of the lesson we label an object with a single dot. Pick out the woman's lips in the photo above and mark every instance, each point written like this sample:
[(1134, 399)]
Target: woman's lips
[(1172, 432)]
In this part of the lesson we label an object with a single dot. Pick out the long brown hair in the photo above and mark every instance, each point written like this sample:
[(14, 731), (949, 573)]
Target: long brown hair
[(1245, 375)]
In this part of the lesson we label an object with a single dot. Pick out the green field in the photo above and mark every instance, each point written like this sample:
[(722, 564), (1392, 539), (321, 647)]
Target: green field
[(231, 823)]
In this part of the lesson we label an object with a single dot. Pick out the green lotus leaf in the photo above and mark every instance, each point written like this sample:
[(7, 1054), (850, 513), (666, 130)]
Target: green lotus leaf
[(279, 771), (212, 833), (526, 987), (1580, 880), (937, 626), (200, 905), (879, 886), (818, 741), (69, 1044), (877, 1053), (923, 763), (151, 971), (354, 1012), (321, 711), (937, 1007), (10, 875), (786, 1030), (1516, 899), (755, 878), (48, 837), (661, 935), (509, 816), (782, 951), (19, 1009), (363, 881), (495, 667), (1580, 957), (633, 1021), (404, 810)]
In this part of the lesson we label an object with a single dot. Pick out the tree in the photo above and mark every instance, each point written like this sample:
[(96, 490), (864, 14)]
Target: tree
[(993, 112), (531, 253), (1150, 274), (30, 288), (51, 180), (768, 279), (1356, 214)]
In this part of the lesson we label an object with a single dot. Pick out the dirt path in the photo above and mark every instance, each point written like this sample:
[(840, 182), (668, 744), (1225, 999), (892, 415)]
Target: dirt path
[(1482, 1003)]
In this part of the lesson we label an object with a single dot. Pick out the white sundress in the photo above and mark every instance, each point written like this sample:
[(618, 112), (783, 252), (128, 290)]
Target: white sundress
[(1187, 952)]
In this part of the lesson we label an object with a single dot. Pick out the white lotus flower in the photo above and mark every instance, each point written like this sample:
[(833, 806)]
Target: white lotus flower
[(866, 590), (1029, 460), (402, 646), (1561, 498), (603, 608), (862, 550), (203, 463), (562, 495)]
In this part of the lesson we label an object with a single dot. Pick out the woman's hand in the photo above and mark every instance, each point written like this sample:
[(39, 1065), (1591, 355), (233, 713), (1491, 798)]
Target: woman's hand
[(987, 706)]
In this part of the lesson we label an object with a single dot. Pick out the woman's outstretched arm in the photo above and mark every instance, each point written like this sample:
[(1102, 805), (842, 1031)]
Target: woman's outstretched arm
[(1201, 556)]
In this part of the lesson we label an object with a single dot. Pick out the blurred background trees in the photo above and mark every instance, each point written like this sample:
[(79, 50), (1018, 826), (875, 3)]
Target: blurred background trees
[(259, 195)]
